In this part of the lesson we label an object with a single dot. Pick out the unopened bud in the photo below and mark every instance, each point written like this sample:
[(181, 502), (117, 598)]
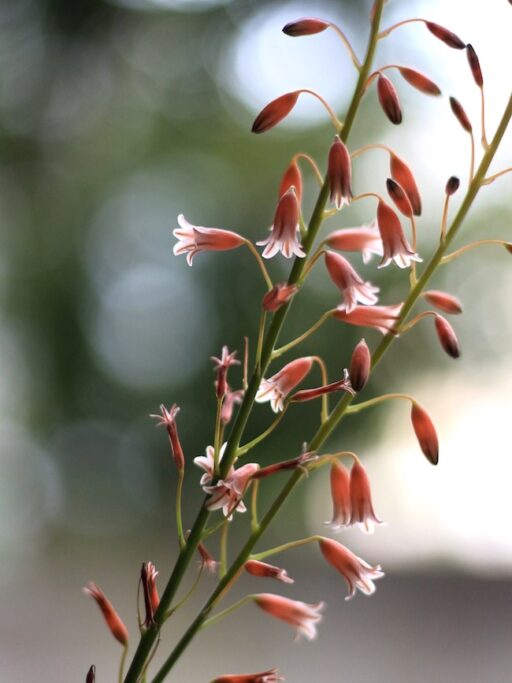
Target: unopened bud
[(447, 336), (474, 65), (305, 27), (445, 302), (448, 37), (452, 185), (360, 366), (399, 197), (425, 433), (91, 675), (388, 99), (404, 177), (267, 571), (508, 245), (112, 618), (275, 112), (460, 114), (419, 81), (292, 177)]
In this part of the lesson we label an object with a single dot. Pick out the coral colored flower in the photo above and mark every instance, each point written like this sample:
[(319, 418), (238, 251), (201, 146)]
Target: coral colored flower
[(360, 366), (207, 463), (302, 616), (382, 318), (278, 296), (400, 199), (275, 112), (448, 37), (447, 336), (419, 81), (357, 573), (388, 99), (316, 392), (340, 494), (283, 232), (222, 366), (305, 27), (443, 301), (148, 576), (425, 433), (207, 560), (292, 177), (194, 238), (276, 388), (396, 246), (270, 676), (167, 418), (268, 571), (365, 239), (227, 493), (339, 174), (361, 499), (114, 623), (404, 177), (230, 400), (351, 285)]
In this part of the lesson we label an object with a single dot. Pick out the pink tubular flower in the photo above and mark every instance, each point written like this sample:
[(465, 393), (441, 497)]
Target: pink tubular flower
[(316, 392), (365, 239), (278, 296), (361, 499), (400, 199), (112, 618), (396, 246), (356, 572), (275, 111), (405, 178), (443, 301), (207, 559), (148, 576), (425, 433), (352, 286), (267, 571), (419, 81), (283, 232), (340, 494), (382, 318), (276, 388), (228, 493), (222, 366), (300, 615), (167, 418), (270, 676), (447, 37), (194, 238), (339, 174), (230, 399), (292, 177)]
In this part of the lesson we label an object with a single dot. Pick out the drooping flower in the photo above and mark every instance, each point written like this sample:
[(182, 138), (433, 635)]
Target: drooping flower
[(292, 177), (278, 296), (388, 99), (396, 246), (148, 576), (361, 499), (351, 285), (339, 174), (275, 111), (112, 618), (340, 494), (301, 615), (207, 559), (283, 232), (365, 239), (230, 400), (305, 27), (425, 433), (167, 419), (357, 573), (400, 199), (311, 394), (443, 301), (276, 388), (194, 238), (382, 318), (228, 493), (267, 571), (222, 366), (360, 366), (405, 178), (270, 676), (447, 336)]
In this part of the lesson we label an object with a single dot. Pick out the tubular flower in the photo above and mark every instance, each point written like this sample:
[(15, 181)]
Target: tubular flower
[(425, 433), (388, 99), (283, 232), (207, 463), (447, 336), (167, 418), (278, 296), (207, 560), (276, 388), (361, 499), (360, 366), (396, 246), (230, 399), (292, 177), (270, 676), (339, 174), (356, 572), (443, 301), (365, 239), (227, 493), (340, 494), (302, 616), (400, 199), (311, 394), (352, 286), (275, 112), (222, 366), (112, 618), (404, 177), (194, 238), (268, 571), (382, 318), (148, 576)]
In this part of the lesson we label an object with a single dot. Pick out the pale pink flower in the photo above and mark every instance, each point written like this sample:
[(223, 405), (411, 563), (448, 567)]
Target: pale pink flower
[(357, 573), (283, 232), (361, 499), (167, 419), (396, 246), (268, 571), (340, 494), (382, 318), (365, 239), (302, 616), (349, 282), (278, 296), (222, 366), (207, 462), (276, 388), (227, 493), (339, 174), (207, 559), (194, 238), (230, 399), (270, 676)]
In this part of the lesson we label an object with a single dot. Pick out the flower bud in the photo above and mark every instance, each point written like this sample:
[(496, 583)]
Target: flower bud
[(443, 301), (305, 27), (399, 197), (267, 571), (474, 65), (419, 81), (447, 336), (448, 37), (404, 177), (425, 433), (113, 620), (388, 99), (360, 366), (91, 675), (460, 115), (292, 177), (275, 112), (508, 245), (452, 185)]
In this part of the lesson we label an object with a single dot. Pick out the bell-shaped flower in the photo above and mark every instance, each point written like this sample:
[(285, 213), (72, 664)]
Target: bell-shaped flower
[(396, 246), (207, 463), (194, 238), (340, 494), (267, 571), (339, 174), (278, 296), (283, 232), (381, 318), (300, 615), (351, 285), (361, 499), (228, 493), (357, 573), (276, 388), (292, 177), (365, 239), (405, 178)]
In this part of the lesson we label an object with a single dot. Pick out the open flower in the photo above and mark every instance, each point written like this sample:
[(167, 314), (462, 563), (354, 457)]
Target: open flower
[(207, 463), (361, 499), (382, 318), (227, 493), (167, 419), (396, 246), (339, 174), (349, 282), (270, 676), (276, 388), (222, 366), (283, 232), (365, 239), (194, 238), (357, 573), (267, 571), (300, 615), (340, 494)]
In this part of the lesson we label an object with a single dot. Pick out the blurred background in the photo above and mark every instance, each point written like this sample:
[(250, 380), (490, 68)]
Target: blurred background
[(114, 118)]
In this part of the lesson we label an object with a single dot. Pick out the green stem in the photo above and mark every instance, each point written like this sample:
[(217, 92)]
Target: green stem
[(358, 407), (286, 546), (179, 521), (468, 247), (254, 442), (121, 664), (259, 260), (218, 617), (224, 547), (283, 349), (254, 505)]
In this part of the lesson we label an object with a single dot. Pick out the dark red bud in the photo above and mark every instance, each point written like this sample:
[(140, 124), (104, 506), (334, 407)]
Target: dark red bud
[(448, 37), (452, 185), (404, 177), (447, 336), (399, 197), (474, 65), (275, 112), (305, 27), (388, 98), (425, 433), (508, 245), (91, 675), (360, 366), (443, 301), (460, 114), (419, 81)]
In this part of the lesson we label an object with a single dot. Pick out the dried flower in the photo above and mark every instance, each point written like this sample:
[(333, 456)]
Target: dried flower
[(404, 177), (382, 318), (278, 296), (194, 238), (448, 37), (339, 174), (268, 571), (360, 366), (419, 81), (351, 285), (452, 185), (356, 572), (474, 65), (447, 336), (112, 618), (91, 675), (396, 246), (340, 494), (388, 99), (460, 114), (425, 433), (444, 301), (365, 239), (275, 111), (222, 366), (302, 616), (283, 232), (167, 419), (292, 177), (361, 499), (270, 676), (305, 27), (276, 388)]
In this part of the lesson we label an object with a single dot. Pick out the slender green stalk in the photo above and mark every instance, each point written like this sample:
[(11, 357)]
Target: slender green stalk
[(229, 610), (261, 437), (283, 349), (179, 522), (358, 407), (286, 546), (224, 547)]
